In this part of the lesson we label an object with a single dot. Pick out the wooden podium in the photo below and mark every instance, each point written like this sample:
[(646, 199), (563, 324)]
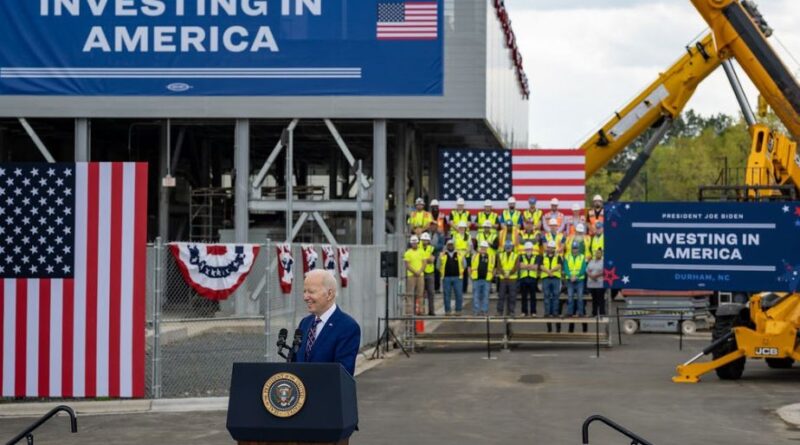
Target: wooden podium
[(292, 404)]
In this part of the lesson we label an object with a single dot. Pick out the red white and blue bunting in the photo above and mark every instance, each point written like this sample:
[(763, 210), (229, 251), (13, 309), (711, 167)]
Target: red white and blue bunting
[(285, 267), (344, 264), (329, 259), (310, 258), (214, 271)]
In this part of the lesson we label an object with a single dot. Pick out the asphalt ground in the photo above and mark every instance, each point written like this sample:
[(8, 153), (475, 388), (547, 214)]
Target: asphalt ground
[(530, 395)]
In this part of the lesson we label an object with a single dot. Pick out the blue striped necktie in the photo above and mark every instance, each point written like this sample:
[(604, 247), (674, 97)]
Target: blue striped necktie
[(312, 337)]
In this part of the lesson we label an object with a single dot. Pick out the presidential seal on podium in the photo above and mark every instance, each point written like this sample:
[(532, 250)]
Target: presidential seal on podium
[(284, 395)]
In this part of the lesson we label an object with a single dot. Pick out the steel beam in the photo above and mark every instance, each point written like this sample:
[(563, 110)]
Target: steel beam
[(163, 192), (738, 91), (325, 230), (379, 185), (345, 150), (264, 206), (262, 173), (36, 141), (82, 140), (242, 167), (289, 183)]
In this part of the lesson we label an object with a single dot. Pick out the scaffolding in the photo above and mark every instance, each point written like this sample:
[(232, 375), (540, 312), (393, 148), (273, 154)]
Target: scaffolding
[(210, 210)]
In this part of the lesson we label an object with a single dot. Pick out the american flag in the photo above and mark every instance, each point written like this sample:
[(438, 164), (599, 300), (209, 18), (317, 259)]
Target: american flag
[(72, 266), (408, 20), (477, 175)]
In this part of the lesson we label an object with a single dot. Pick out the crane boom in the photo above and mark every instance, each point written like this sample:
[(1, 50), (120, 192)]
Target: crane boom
[(664, 98)]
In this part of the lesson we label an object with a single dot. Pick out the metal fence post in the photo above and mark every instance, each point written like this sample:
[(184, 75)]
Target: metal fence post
[(157, 289), (268, 305)]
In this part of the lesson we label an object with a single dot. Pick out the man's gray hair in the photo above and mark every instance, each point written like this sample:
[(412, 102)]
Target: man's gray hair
[(328, 281)]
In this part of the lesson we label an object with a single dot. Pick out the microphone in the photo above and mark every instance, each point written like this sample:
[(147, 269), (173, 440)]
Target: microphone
[(298, 338), (282, 343), (282, 338)]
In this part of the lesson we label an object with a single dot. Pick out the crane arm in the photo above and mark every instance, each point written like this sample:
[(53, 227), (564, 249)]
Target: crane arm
[(738, 33), (664, 98)]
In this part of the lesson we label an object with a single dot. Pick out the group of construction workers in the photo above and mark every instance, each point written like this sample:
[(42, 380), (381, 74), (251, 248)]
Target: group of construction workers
[(517, 250)]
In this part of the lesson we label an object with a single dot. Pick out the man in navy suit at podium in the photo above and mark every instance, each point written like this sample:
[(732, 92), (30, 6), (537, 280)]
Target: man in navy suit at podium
[(329, 335)]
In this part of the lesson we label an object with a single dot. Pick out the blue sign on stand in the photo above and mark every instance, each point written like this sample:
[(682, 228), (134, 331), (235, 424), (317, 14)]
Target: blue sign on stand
[(705, 246), (222, 47)]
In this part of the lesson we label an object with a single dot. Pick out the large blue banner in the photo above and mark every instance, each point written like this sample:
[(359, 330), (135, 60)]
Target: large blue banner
[(221, 47), (713, 246)]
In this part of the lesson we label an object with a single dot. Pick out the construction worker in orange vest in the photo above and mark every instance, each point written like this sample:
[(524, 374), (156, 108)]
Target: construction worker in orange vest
[(596, 213), (570, 221), (554, 213), (437, 216)]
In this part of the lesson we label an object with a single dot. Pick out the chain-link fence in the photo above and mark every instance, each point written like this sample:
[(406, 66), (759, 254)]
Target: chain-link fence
[(193, 342)]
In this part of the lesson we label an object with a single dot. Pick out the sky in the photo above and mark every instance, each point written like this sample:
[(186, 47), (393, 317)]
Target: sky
[(587, 58)]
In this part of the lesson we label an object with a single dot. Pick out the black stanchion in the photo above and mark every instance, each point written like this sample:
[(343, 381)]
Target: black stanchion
[(597, 332)]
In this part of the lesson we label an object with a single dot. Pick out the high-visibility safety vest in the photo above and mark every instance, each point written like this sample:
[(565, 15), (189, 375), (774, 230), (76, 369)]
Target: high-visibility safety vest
[(415, 258), (429, 268), (483, 217), (457, 217), (532, 215), (575, 266), (597, 243), (550, 262), (512, 215), (558, 239), (508, 261), (476, 261), (529, 237), (440, 222), (444, 258), (490, 238), (527, 261), (513, 236), (586, 241), (594, 218), (462, 243), (420, 219)]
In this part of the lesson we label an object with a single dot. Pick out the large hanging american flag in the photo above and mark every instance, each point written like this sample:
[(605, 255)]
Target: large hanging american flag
[(477, 175), (72, 266)]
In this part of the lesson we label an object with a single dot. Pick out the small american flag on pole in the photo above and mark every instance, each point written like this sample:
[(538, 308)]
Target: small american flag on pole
[(72, 279), (477, 174), (412, 20)]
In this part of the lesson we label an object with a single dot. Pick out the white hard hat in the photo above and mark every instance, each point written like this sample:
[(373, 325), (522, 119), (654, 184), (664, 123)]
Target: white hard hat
[(483, 244), (554, 202), (528, 245), (551, 244), (460, 201), (512, 200), (552, 222), (462, 224), (487, 223), (435, 202), (426, 236), (419, 201), (576, 207), (580, 228), (597, 198), (487, 203), (414, 239)]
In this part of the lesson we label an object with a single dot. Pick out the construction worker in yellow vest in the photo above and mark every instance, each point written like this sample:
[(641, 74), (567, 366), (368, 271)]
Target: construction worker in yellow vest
[(458, 215), (554, 235), (529, 235), (554, 213), (462, 240), (582, 239), (430, 267), (511, 214), (437, 216), (598, 240), (482, 269), (529, 264), (485, 233), (419, 220), (451, 268), (487, 215), (574, 277), (550, 274), (532, 214), (415, 260), (507, 271), (509, 234)]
